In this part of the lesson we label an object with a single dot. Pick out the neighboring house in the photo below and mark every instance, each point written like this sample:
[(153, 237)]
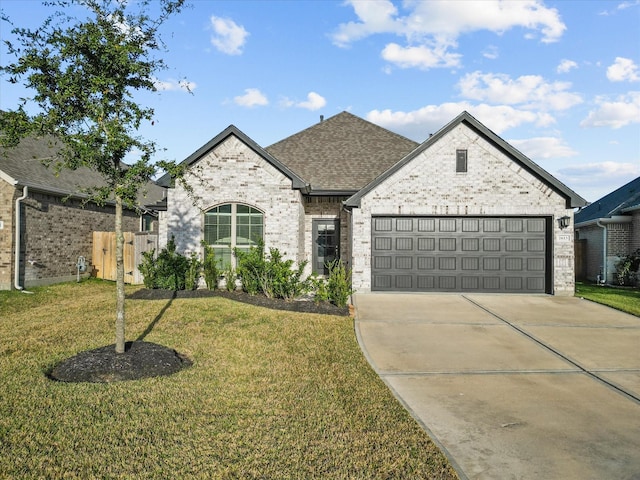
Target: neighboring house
[(46, 223), (609, 229), (462, 212)]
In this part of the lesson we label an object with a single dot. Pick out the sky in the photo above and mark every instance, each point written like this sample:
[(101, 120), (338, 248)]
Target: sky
[(558, 80)]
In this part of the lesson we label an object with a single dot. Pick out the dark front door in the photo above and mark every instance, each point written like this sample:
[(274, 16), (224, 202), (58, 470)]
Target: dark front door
[(326, 244)]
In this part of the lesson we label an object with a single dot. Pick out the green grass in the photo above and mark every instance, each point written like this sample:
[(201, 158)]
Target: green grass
[(625, 299), (271, 394)]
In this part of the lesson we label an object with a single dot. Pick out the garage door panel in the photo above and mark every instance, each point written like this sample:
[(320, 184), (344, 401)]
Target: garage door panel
[(463, 254)]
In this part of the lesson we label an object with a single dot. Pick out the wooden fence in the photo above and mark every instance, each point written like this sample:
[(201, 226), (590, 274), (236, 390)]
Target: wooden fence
[(104, 254)]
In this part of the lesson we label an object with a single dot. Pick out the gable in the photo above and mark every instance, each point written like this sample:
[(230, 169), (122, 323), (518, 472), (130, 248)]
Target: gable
[(341, 154), (296, 181), (465, 119)]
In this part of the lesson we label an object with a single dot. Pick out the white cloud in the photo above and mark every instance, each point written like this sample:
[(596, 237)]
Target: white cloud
[(601, 169), (566, 66), (491, 52), (418, 124), (433, 27), (529, 91), (623, 69), (617, 113), (314, 102), (228, 37), (252, 97), (421, 57), (172, 85), (544, 147)]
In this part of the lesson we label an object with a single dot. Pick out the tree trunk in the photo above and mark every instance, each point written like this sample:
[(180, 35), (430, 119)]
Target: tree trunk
[(119, 278)]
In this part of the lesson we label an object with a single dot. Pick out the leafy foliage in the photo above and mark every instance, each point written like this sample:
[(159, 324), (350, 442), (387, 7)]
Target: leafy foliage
[(210, 267), (84, 73), (271, 276), (170, 269), (339, 283), (627, 268)]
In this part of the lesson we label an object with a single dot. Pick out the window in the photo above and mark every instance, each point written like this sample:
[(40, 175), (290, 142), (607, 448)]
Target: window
[(461, 161), (232, 225)]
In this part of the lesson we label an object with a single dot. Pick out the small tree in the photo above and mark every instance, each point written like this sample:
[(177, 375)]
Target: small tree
[(84, 73)]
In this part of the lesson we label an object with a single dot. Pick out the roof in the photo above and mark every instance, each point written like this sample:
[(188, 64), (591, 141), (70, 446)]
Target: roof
[(617, 202), (573, 199), (341, 154), (297, 182), (23, 166)]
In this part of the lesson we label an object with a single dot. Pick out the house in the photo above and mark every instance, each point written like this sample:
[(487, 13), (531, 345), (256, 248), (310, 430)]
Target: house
[(609, 228), (46, 223), (463, 211)]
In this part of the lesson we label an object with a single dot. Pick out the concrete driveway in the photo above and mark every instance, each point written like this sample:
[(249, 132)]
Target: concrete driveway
[(513, 386)]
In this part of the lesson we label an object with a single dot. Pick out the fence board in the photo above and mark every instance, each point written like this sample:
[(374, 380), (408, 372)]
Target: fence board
[(104, 254)]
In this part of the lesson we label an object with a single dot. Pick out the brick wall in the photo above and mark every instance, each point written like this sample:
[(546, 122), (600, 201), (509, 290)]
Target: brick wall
[(494, 185), (233, 173), (593, 255), (56, 232), (634, 242), (7, 197)]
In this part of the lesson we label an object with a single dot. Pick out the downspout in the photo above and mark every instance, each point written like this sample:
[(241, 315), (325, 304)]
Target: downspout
[(16, 273), (604, 250)]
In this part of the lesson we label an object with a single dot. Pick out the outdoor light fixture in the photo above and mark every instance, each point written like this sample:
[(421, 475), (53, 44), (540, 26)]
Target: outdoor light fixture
[(563, 222)]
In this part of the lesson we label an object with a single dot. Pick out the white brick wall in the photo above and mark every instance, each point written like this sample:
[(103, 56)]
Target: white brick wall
[(494, 185), (232, 172)]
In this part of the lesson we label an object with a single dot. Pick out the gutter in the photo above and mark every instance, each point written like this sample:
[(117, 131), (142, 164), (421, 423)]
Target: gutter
[(16, 273), (602, 223)]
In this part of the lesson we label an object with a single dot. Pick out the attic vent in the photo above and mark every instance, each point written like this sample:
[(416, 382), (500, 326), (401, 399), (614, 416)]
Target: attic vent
[(461, 161), (321, 118)]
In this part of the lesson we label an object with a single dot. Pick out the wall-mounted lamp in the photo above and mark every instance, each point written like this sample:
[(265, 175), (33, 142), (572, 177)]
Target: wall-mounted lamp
[(563, 222)]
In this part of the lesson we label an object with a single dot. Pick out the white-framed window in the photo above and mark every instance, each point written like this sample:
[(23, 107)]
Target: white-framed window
[(232, 225)]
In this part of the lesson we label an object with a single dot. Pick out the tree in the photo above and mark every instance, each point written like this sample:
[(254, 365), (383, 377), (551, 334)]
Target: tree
[(84, 73)]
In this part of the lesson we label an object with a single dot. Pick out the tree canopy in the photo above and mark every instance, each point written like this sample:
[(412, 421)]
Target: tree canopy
[(84, 74)]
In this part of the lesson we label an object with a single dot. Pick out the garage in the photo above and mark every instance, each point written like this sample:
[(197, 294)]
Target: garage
[(461, 254)]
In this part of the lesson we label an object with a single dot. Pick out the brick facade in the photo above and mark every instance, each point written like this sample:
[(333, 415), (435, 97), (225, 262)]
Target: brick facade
[(234, 173), (54, 233), (494, 185), (7, 197)]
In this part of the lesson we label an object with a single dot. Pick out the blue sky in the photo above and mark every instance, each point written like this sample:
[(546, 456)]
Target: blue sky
[(559, 80)]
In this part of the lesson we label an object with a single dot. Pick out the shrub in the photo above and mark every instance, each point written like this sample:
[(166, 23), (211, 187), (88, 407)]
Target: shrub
[(210, 267), (192, 275), (338, 283), (627, 268), (167, 271), (148, 269), (230, 278), (272, 276), (318, 285)]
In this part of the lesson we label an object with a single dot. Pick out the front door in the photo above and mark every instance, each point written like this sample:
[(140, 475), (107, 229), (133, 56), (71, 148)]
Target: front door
[(326, 244)]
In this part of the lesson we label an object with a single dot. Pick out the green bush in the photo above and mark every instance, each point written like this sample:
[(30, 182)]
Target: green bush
[(192, 274), (339, 283), (167, 271), (210, 267), (230, 278), (627, 267), (271, 276), (148, 269)]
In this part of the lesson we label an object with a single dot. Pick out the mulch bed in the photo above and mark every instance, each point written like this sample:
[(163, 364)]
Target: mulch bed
[(145, 359), (104, 365), (303, 306)]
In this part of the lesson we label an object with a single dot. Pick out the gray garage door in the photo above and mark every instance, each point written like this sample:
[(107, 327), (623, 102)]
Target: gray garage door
[(460, 254)]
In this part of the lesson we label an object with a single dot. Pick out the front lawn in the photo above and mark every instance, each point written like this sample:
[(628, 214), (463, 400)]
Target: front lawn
[(271, 394), (625, 299)]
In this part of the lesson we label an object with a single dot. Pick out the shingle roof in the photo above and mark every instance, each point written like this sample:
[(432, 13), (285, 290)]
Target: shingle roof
[(573, 199), (341, 154), (615, 203), (22, 166)]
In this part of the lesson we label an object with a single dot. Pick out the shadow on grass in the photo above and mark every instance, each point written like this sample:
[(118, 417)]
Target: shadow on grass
[(150, 327)]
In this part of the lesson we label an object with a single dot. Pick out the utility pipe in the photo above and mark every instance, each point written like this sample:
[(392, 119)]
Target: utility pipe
[(16, 273), (604, 249)]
